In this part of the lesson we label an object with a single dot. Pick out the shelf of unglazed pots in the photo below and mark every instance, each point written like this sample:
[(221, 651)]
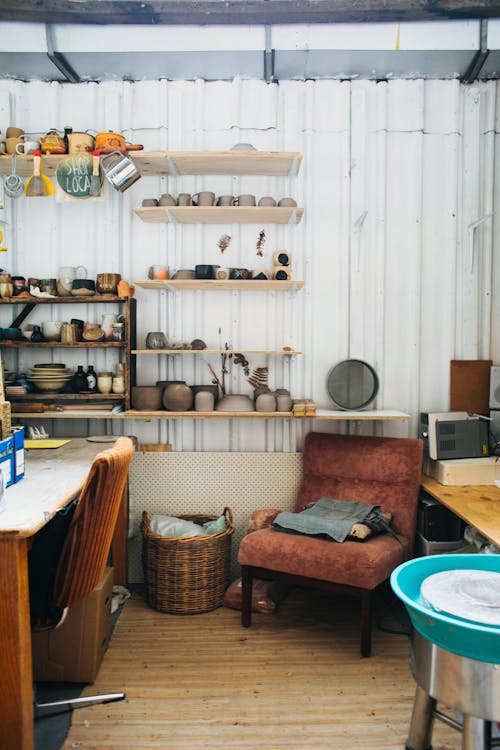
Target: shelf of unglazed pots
[(135, 414), (373, 414), (278, 353), (221, 284), (152, 163), (220, 214)]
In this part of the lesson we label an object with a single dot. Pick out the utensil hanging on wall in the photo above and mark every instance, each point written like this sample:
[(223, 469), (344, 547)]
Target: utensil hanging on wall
[(95, 181), (14, 184), (120, 171), (38, 185)]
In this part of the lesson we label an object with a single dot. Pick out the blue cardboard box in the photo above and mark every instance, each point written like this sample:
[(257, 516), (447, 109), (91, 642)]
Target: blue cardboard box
[(7, 460), (18, 435)]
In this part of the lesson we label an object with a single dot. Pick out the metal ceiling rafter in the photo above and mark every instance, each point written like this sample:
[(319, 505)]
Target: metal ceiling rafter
[(477, 62), (269, 57), (58, 59)]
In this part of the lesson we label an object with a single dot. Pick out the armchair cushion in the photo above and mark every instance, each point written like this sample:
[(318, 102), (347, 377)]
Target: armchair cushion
[(347, 563)]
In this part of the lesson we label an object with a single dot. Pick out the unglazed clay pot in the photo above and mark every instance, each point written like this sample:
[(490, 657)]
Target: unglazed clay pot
[(146, 397), (178, 397)]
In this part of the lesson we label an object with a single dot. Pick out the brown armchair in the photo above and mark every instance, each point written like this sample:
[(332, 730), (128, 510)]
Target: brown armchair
[(376, 470)]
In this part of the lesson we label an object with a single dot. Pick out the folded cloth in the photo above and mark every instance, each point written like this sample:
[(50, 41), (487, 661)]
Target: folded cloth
[(327, 517)]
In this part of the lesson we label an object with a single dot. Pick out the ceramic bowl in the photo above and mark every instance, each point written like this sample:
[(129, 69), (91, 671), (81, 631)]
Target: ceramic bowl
[(11, 334), (213, 389), (184, 273), (106, 283), (235, 402), (146, 397)]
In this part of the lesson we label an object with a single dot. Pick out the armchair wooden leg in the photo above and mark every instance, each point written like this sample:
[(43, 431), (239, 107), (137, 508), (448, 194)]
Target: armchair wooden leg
[(246, 596), (366, 622)]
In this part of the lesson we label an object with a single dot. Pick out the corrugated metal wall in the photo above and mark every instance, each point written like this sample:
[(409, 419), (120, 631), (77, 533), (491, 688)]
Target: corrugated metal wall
[(395, 178)]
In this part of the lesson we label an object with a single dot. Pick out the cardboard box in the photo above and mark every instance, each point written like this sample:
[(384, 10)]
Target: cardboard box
[(73, 651), (18, 435), (5, 419), (462, 471), (7, 460)]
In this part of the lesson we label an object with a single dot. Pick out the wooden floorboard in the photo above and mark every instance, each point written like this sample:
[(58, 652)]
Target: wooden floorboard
[(293, 680)]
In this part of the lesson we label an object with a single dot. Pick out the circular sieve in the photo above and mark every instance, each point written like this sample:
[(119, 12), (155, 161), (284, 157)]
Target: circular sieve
[(352, 384), (13, 184)]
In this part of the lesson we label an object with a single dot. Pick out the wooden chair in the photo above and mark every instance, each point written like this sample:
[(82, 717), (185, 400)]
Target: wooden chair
[(86, 546), (375, 470)]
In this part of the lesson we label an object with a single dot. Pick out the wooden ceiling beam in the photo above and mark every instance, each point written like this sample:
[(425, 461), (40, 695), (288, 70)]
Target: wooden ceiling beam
[(204, 12)]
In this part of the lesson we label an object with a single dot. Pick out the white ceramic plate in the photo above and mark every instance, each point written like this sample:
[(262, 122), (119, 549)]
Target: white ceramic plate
[(102, 438), (468, 594)]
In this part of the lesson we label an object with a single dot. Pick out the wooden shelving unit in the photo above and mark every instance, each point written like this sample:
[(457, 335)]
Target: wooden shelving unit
[(267, 352), (220, 214), (220, 284), (27, 305), (174, 163)]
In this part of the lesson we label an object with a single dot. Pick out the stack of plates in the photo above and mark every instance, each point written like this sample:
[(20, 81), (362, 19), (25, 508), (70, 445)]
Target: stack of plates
[(50, 377)]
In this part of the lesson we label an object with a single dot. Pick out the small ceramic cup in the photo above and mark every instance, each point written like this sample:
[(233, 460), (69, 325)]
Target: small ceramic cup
[(287, 203), (225, 200), (267, 200), (204, 271), (11, 144), (166, 200), (222, 273), (149, 202), (27, 147), (48, 285), (244, 200), (13, 132), (184, 199), (205, 198)]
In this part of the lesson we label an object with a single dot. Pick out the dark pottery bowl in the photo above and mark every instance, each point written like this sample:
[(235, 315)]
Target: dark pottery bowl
[(204, 271), (11, 334)]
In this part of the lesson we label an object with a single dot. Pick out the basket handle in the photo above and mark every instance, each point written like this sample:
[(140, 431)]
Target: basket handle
[(145, 523), (228, 516)]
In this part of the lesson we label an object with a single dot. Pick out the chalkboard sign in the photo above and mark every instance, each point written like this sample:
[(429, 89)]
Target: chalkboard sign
[(74, 174)]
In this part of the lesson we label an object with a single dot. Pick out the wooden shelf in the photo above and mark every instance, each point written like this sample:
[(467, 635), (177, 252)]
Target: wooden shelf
[(59, 396), (24, 343), (95, 299), (220, 214), (226, 284), (374, 414), (152, 163), (135, 414), (68, 415), (279, 352)]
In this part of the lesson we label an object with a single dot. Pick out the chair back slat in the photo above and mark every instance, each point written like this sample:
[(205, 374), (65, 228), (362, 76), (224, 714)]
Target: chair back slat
[(86, 548)]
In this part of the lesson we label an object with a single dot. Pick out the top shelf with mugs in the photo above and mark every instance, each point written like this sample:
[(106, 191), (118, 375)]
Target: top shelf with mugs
[(220, 214), (178, 163)]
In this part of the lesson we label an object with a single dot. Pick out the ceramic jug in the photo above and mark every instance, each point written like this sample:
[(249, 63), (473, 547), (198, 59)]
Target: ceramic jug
[(65, 278)]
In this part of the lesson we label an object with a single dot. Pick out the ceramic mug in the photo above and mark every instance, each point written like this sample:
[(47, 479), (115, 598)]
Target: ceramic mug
[(52, 330), (225, 200), (80, 143), (244, 200), (267, 200), (13, 132), (27, 147), (12, 143), (158, 272), (287, 202), (184, 199), (205, 198), (69, 333), (49, 286), (166, 200)]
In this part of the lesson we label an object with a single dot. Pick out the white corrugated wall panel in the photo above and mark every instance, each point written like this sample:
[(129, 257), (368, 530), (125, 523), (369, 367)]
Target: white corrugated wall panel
[(398, 247)]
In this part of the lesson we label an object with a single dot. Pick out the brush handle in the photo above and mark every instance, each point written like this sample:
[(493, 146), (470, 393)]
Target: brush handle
[(36, 166), (95, 164)]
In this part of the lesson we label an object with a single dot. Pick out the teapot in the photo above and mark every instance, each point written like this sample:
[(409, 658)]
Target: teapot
[(53, 143), (110, 141)]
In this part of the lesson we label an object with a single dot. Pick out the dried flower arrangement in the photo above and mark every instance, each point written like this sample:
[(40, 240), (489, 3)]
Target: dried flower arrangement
[(260, 243), (223, 242)]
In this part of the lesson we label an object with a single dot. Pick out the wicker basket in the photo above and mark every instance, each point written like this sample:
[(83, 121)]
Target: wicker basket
[(186, 575)]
